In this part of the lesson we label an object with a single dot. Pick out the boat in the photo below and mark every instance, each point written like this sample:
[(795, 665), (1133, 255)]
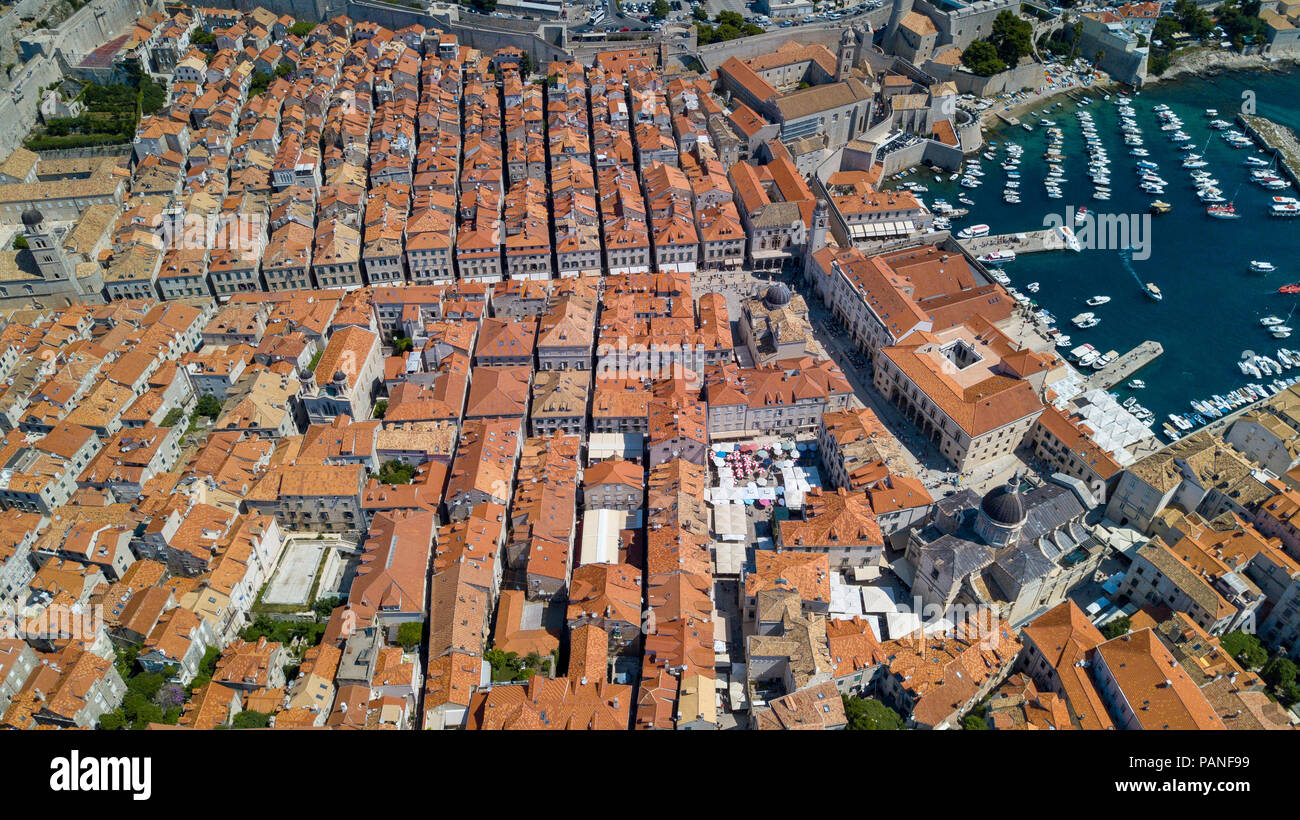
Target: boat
[(1289, 289), (1280, 331), (1098, 300), (973, 232), (1086, 320), (1032, 287), (998, 257), (1225, 211), (1082, 350), (1159, 206), (1284, 209), (1153, 291), (1081, 215), (1256, 162), (1270, 321), (1261, 267), (1137, 384)]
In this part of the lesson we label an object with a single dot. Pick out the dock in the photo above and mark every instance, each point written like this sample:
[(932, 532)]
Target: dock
[(1124, 367), (1047, 239), (1277, 139)]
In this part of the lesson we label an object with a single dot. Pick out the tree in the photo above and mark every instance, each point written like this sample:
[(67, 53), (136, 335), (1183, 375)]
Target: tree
[(1099, 56), (869, 714), (402, 344), (396, 472), (1117, 627), (659, 9), (700, 14), (982, 59), (1279, 671), (200, 37), (209, 406), (260, 82), (381, 408), (250, 719), (1245, 649), (302, 28), (729, 18), (20, 243), (324, 607), (410, 634), (974, 723), (1012, 36), (173, 415)]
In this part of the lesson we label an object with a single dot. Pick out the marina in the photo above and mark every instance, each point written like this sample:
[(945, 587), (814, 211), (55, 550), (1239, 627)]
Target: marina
[(1211, 296)]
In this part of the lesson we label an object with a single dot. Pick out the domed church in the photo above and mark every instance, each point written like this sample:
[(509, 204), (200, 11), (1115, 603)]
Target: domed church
[(1019, 548)]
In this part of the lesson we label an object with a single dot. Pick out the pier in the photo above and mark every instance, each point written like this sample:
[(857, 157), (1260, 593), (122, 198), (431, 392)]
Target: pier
[(1124, 367), (1278, 140), (1048, 239)]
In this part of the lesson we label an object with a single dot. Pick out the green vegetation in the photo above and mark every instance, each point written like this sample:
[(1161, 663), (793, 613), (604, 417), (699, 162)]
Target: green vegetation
[(1280, 674), (396, 472), (206, 667), (381, 408), (728, 25), (410, 634), (508, 666), (974, 723), (869, 714), (977, 719), (199, 37), (981, 57), (700, 14), (303, 27), (274, 629), (209, 406), (149, 699), (20, 243), (1012, 36), (402, 344), (250, 719), (481, 6), (258, 85), (659, 9), (1117, 627), (173, 415), (1241, 22), (324, 607), (315, 359), (110, 116), (1063, 42), (1245, 649)]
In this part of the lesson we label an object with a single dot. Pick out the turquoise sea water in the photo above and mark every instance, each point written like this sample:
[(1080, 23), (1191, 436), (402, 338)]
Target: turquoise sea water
[(1213, 302)]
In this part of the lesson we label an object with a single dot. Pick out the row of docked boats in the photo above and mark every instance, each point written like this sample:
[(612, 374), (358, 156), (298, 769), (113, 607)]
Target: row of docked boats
[(1205, 410), (1085, 355)]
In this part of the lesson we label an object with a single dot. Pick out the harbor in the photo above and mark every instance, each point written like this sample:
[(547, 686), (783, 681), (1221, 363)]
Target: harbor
[(1196, 282)]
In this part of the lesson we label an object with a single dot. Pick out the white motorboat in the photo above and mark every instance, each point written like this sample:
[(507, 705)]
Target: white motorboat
[(1098, 300), (1259, 266), (1270, 321)]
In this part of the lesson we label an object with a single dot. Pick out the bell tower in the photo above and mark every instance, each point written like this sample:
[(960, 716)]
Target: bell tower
[(45, 246)]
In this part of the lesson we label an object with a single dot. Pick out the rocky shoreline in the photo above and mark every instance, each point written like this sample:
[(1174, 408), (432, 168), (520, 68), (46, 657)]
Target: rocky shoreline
[(1202, 60)]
